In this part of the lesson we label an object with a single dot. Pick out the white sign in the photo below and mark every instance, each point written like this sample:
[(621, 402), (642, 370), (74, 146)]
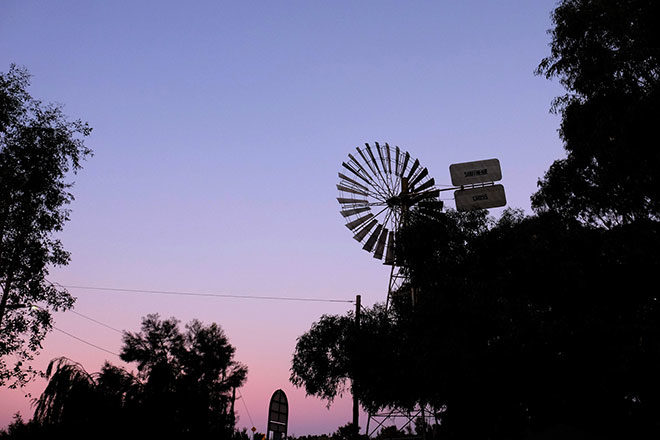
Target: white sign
[(480, 171), (484, 197)]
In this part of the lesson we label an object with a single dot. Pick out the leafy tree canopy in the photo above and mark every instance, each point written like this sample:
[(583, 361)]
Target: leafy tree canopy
[(524, 323), (39, 148), (607, 55), (184, 387), (189, 376)]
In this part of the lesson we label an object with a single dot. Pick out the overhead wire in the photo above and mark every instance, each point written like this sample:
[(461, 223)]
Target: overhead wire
[(165, 292), (245, 406), (97, 321), (84, 341), (89, 318), (215, 295), (182, 293)]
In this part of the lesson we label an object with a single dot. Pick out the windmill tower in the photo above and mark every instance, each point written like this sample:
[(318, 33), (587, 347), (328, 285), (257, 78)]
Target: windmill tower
[(377, 190)]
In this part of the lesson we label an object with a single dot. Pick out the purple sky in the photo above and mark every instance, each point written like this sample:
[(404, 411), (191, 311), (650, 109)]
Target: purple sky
[(219, 129)]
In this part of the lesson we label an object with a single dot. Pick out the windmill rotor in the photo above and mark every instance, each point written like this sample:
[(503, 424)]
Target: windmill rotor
[(377, 188)]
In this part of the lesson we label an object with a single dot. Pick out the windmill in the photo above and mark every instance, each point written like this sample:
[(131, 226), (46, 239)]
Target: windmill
[(378, 187)]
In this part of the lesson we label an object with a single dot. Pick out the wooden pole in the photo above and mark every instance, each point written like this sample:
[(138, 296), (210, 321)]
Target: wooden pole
[(356, 403)]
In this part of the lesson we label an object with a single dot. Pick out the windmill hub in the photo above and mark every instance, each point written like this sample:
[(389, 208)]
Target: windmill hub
[(394, 202), (399, 201)]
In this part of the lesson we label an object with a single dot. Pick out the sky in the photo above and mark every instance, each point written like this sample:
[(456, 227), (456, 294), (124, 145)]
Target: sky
[(219, 130)]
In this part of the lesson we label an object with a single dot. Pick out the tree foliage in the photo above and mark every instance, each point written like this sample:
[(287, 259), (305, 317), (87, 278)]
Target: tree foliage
[(77, 401), (39, 149), (183, 387), (607, 55), (189, 376), (321, 362), (526, 324)]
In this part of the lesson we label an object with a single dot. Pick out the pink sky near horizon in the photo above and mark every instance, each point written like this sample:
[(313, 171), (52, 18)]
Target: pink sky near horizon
[(254, 349), (219, 129)]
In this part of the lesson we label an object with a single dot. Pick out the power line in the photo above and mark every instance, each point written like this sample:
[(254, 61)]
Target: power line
[(98, 322), (215, 295), (245, 406), (85, 342)]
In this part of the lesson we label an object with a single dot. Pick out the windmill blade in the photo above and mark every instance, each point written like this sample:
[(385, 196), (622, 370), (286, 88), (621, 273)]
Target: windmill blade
[(426, 185), (414, 167), (389, 256), (357, 222), (350, 212), (366, 160), (389, 158), (352, 170), (367, 185), (352, 190), (371, 241), (348, 179), (406, 158), (382, 158), (396, 162), (348, 201), (380, 244), (360, 167), (364, 231), (434, 194), (371, 155), (420, 176)]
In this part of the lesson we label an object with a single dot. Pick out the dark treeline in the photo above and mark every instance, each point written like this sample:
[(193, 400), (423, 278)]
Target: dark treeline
[(183, 388), (348, 432), (543, 325), (520, 326)]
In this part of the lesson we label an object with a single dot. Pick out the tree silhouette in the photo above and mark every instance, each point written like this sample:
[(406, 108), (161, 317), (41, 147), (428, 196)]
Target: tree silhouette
[(39, 148), (184, 387), (188, 377), (529, 325), (76, 401), (606, 54), (69, 394), (322, 362)]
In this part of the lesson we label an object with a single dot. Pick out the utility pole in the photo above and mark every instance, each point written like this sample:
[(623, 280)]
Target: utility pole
[(233, 413), (356, 403)]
